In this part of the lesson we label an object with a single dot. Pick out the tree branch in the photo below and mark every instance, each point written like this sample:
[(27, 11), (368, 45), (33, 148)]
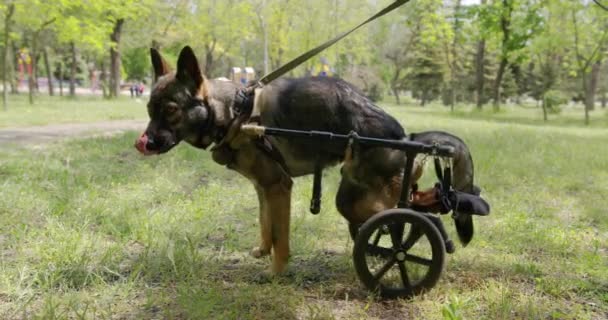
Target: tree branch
[(601, 5)]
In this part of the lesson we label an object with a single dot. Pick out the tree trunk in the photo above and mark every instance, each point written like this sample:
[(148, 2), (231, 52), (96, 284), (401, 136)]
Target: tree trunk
[(47, 67), (584, 80), (592, 87), (73, 70), (103, 79), (479, 72), (453, 96), (396, 93), (35, 70), (423, 100), (32, 76), (505, 26), (14, 81), (209, 58), (544, 105), (61, 79), (264, 29), (7, 25), (394, 84), (454, 65), (115, 58), (498, 82), (479, 69)]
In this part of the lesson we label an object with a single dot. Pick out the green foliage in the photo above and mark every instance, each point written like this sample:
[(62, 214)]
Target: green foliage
[(426, 77), (452, 309), (136, 63), (554, 100), (426, 48)]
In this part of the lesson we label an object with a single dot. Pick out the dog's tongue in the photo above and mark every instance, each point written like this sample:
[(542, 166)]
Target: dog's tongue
[(140, 144)]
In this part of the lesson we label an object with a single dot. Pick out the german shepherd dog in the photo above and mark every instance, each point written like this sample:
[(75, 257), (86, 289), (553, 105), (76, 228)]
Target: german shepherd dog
[(185, 106)]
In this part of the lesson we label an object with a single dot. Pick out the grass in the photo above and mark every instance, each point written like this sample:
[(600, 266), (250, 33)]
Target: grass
[(91, 230), (56, 110)]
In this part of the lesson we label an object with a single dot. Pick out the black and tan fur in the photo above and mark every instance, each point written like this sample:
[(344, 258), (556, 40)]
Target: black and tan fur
[(186, 106)]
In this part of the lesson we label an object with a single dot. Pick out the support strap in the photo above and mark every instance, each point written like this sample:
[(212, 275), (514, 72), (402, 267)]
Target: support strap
[(315, 202)]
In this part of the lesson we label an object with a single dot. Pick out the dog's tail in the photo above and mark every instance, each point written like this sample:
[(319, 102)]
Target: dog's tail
[(464, 222), (464, 228)]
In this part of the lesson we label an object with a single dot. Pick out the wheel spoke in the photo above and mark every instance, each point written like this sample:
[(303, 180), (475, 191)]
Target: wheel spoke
[(377, 237), (413, 237), (377, 251), (384, 269), (404, 277), (418, 260), (396, 230)]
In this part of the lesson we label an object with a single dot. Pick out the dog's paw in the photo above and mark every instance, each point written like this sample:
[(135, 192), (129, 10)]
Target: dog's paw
[(258, 252)]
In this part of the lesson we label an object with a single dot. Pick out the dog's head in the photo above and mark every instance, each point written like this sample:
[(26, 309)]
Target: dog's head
[(178, 107)]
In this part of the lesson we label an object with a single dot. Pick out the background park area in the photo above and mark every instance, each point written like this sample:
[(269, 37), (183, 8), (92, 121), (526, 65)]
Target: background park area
[(90, 229)]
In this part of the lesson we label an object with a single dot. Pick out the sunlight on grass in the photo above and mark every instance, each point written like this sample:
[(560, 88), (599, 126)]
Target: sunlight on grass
[(93, 230), (82, 109)]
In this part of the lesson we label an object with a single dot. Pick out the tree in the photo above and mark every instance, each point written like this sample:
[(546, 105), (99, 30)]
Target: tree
[(511, 24), (10, 11), (480, 57), (584, 26), (33, 17), (589, 45)]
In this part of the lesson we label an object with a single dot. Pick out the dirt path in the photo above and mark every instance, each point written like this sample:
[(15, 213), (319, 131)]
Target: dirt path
[(44, 134)]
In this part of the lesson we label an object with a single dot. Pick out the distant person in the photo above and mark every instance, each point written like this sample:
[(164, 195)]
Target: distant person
[(132, 90), (141, 89)]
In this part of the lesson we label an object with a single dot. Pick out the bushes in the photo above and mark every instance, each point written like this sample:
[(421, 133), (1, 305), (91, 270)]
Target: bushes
[(553, 99)]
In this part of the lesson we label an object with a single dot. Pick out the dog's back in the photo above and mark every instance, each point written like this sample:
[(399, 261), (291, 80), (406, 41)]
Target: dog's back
[(323, 104)]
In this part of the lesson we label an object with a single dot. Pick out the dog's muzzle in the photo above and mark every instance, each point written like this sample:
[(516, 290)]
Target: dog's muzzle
[(145, 145)]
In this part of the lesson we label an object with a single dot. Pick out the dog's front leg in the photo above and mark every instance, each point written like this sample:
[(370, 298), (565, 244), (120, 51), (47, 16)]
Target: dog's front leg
[(273, 186), (265, 226), (278, 200)]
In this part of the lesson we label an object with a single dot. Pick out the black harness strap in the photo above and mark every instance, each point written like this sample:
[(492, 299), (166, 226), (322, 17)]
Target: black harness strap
[(315, 202), (245, 98)]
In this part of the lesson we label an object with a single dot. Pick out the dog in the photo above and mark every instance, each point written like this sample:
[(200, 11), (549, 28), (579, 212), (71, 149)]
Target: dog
[(186, 106)]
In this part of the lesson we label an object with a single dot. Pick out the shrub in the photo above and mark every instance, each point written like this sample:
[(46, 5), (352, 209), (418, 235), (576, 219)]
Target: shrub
[(554, 99)]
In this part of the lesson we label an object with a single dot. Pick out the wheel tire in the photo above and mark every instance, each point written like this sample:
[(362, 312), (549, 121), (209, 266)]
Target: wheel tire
[(420, 227), (353, 229)]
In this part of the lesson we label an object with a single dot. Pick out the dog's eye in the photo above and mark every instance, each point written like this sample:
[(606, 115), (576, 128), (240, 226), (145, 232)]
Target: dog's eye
[(171, 107)]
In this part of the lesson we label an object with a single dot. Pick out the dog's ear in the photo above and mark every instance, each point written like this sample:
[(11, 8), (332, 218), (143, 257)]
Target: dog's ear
[(161, 67), (189, 72)]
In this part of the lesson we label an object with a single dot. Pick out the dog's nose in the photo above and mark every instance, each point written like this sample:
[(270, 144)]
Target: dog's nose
[(141, 143), (151, 144)]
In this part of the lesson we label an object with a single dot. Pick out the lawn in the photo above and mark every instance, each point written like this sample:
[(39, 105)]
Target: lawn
[(91, 230), (57, 110)]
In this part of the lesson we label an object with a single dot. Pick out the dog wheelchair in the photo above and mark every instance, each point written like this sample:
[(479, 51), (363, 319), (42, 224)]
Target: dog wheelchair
[(399, 252)]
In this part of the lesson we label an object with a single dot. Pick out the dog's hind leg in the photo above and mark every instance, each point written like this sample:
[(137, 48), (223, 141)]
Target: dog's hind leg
[(371, 182)]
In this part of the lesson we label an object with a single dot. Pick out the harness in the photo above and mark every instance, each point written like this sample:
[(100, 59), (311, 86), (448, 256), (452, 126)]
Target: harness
[(244, 106), (245, 110)]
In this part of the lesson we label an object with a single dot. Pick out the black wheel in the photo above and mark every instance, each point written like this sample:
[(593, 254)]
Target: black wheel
[(395, 265), (353, 229)]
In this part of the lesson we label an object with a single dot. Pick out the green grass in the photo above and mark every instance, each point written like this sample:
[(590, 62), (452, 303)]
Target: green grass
[(55, 110), (91, 230)]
